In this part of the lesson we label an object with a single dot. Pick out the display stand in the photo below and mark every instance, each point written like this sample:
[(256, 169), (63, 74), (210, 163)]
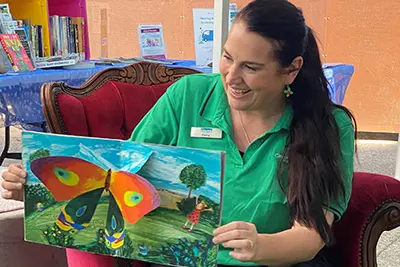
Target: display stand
[(39, 11)]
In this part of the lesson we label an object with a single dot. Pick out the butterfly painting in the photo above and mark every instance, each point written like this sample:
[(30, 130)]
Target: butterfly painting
[(83, 183), (121, 198)]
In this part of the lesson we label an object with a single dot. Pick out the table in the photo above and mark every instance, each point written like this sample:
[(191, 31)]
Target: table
[(338, 76), (20, 102), (20, 93)]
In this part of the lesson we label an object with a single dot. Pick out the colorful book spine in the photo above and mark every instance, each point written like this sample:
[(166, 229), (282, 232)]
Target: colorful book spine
[(69, 36)]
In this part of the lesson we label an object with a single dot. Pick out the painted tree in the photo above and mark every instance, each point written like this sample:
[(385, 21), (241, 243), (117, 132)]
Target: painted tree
[(193, 176)]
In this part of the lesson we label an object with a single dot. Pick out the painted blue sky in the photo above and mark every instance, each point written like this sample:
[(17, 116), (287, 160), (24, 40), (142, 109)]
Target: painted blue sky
[(161, 165)]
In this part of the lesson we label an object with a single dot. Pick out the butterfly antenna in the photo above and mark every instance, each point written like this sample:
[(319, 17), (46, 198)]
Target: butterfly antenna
[(108, 178)]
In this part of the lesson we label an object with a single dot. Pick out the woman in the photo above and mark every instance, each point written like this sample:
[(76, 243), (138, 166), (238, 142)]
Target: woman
[(289, 149)]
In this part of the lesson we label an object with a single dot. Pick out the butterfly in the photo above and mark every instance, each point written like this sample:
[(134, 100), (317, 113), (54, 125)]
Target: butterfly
[(82, 184)]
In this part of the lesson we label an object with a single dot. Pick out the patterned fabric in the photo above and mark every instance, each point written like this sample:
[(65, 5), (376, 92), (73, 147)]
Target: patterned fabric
[(194, 216), (20, 93), (338, 76)]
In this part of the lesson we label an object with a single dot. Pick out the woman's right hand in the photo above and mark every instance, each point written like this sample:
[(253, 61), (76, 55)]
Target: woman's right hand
[(14, 180)]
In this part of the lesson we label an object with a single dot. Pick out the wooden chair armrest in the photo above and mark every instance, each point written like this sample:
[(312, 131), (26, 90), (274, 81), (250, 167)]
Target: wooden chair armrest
[(386, 217)]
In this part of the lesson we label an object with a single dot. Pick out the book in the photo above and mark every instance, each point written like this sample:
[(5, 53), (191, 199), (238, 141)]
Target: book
[(67, 35), (23, 37), (57, 61), (16, 53), (151, 41), (133, 60), (148, 202), (7, 24), (4, 8)]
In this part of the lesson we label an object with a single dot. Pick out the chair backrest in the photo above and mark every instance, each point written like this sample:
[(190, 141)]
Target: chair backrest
[(111, 103)]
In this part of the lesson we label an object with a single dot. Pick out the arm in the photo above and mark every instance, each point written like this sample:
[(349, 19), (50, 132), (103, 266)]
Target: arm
[(295, 245), (298, 244)]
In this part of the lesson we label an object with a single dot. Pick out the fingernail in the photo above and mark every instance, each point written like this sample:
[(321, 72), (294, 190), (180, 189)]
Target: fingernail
[(19, 186), (23, 181)]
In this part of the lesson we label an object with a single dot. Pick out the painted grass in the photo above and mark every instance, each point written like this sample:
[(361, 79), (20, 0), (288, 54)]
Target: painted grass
[(158, 228)]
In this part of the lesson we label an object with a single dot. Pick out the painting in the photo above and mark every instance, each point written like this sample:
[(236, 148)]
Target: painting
[(146, 202)]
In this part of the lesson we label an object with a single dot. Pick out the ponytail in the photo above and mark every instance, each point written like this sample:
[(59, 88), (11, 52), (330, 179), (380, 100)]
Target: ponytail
[(313, 146)]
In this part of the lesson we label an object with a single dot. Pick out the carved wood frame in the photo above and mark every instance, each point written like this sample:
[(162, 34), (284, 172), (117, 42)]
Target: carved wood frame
[(142, 73), (386, 217)]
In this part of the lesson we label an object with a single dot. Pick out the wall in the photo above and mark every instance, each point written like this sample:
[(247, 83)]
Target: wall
[(176, 16), (365, 33), (362, 33)]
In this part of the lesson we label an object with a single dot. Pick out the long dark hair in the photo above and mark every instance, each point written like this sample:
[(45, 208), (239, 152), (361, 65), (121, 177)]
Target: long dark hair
[(313, 146)]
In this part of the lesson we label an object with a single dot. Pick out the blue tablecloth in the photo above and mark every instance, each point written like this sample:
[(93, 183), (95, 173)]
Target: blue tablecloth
[(338, 76), (20, 93)]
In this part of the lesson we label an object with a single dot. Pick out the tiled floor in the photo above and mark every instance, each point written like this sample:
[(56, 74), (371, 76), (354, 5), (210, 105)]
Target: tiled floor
[(372, 157)]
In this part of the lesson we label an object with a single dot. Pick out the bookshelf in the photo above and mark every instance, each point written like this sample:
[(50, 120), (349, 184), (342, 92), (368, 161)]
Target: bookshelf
[(39, 11)]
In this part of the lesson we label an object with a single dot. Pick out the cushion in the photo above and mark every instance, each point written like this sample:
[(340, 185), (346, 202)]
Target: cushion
[(112, 111)]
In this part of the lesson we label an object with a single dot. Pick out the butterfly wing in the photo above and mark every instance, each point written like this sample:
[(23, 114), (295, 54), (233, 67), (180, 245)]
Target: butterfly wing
[(77, 214), (115, 225), (68, 177), (134, 195)]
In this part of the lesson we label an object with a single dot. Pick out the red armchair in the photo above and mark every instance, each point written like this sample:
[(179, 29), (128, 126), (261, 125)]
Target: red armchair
[(113, 101)]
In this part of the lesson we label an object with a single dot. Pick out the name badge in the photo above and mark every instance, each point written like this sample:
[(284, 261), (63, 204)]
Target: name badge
[(206, 132)]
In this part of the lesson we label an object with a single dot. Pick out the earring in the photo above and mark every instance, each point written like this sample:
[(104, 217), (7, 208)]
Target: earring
[(288, 91)]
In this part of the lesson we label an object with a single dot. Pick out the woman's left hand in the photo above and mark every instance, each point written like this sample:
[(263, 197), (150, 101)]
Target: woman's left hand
[(242, 237)]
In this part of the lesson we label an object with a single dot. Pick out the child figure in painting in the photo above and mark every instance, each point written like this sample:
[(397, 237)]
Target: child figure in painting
[(194, 216)]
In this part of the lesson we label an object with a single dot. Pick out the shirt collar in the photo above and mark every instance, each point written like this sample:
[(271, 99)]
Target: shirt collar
[(284, 121), (215, 103)]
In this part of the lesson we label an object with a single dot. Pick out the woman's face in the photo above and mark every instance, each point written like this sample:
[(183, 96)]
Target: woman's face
[(251, 76)]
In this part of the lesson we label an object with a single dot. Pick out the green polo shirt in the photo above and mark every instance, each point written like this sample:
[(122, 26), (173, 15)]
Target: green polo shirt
[(251, 191)]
